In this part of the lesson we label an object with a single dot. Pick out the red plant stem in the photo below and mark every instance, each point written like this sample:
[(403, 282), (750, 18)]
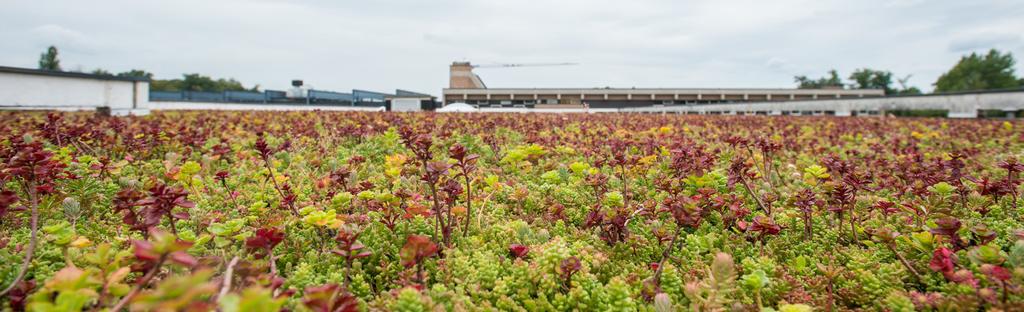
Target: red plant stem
[(33, 236), (664, 255), (838, 224), (450, 224), (807, 224), (625, 185), (174, 229), (419, 273), (437, 212), (766, 174), (348, 269), (138, 286), (1013, 193), (1012, 176), (853, 226), (469, 203), (828, 306), (1005, 293), (231, 196), (266, 163)]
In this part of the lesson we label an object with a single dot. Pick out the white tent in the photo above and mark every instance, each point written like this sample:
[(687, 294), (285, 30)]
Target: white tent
[(457, 108)]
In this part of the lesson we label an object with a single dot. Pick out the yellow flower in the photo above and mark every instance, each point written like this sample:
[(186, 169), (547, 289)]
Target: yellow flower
[(648, 160)]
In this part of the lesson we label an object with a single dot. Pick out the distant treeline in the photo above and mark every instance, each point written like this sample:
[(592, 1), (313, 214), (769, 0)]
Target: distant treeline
[(990, 71), (187, 82)]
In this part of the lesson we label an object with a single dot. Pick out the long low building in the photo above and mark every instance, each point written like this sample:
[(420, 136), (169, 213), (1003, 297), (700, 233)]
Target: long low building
[(619, 98), (972, 104), (24, 88), (466, 87), (34, 89)]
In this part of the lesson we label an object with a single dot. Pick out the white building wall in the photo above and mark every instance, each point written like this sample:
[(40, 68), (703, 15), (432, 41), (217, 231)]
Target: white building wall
[(405, 105), (34, 91)]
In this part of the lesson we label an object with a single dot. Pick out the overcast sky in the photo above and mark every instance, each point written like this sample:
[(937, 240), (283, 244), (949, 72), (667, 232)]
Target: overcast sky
[(387, 44)]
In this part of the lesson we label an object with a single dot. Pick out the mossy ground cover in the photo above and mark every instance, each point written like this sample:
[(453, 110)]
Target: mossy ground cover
[(319, 211)]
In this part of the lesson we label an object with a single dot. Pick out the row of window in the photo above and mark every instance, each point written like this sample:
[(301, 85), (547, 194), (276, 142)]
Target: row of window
[(789, 113), (552, 101)]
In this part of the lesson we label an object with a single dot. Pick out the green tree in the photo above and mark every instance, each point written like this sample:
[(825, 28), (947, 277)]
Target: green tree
[(867, 78), (831, 81), (229, 84), (196, 82), (165, 85), (980, 72), (101, 72), (136, 73), (48, 60)]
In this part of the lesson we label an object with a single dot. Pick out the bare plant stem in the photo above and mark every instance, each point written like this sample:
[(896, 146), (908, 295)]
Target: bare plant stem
[(853, 217), (138, 286), (757, 199), (807, 224), (469, 204), (273, 179), (853, 225), (273, 262), (829, 287), (757, 298), (439, 219), (228, 275), (231, 196), (625, 185), (30, 187), (664, 255), (905, 262), (348, 270), (419, 273)]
